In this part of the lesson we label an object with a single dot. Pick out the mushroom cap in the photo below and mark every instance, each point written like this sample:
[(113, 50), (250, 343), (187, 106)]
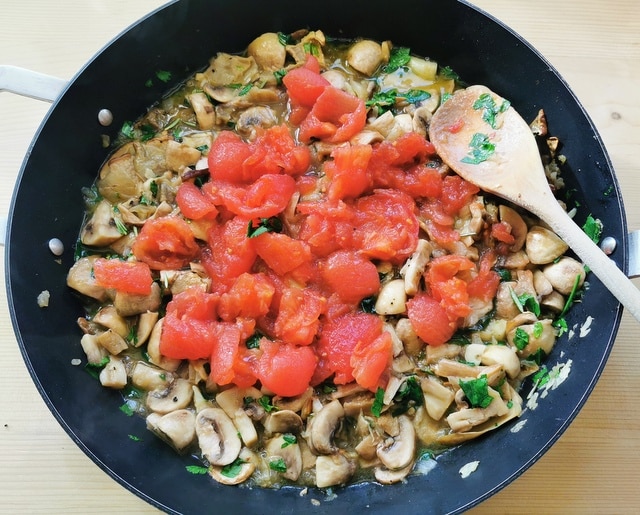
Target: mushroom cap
[(217, 436), (398, 452), (323, 426), (334, 469)]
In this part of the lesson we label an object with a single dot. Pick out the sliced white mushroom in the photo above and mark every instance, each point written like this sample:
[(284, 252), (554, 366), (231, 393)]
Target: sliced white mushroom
[(517, 224), (217, 436), (101, 230), (177, 395), (389, 477), (283, 421), (149, 377), (322, 427), (109, 318), (146, 323), (392, 298), (204, 110), (153, 350), (397, 452), (231, 401), (541, 335), (93, 350), (502, 355), (130, 304), (465, 419), (543, 245), (119, 179), (286, 448), (333, 469), (235, 475), (177, 428), (114, 374), (437, 397), (297, 403), (112, 341), (254, 118), (82, 279), (412, 343), (563, 273)]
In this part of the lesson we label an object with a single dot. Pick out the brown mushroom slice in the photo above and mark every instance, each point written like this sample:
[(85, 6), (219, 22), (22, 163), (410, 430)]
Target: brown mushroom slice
[(283, 421), (217, 436), (437, 397), (93, 350), (397, 452), (82, 279), (254, 118), (146, 323), (149, 377), (235, 475), (176, 428), (334, 469), (504, 356), (544, 246), (467, 418), (112, 341), (540, 335), (286, 449), (512, 401), (389, 477), (322, 427), (518, 226), (153, 350), (130, 304), (111, 319), (415, 266), (177, 395), (180, 156), (232, 402), (563, 273), (119, 179), (204, 110), (101, 230)]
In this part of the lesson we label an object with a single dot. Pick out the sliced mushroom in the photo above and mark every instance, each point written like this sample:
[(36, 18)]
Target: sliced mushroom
[(153, 350), (109, 318), (334, 469), (389, 477), (322, 427), (204, 110), (254, 118), (176, 428), (81, 279), (504, 356), (517, 224), (286, 448), (101, 230), (119, 179), (544, 246), (239, 474), (392, 298), (397, 452), (232, 402), (114, 374), (365, 56), (296, 403), (465, 419), (148, 377), (93, 350), (415, 266), (437, 397), (112, 341), (541, 335), (217, 436), (146, 323), (130, 304), (177, 395), (283, 421), (563, 273)]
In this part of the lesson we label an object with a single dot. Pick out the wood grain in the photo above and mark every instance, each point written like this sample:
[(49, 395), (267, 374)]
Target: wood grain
[(593, 467)]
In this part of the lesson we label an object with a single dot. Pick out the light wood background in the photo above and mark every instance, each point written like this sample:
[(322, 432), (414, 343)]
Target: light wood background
[(593, 468)]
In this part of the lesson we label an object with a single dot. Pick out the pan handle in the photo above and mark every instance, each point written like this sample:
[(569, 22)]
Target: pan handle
[(30, 84)]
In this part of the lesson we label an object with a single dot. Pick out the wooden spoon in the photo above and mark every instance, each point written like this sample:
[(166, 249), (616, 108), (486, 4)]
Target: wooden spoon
[(487, 143)]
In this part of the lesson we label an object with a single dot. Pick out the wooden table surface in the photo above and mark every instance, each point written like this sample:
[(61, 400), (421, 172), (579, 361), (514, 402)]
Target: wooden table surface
[(593, 468)]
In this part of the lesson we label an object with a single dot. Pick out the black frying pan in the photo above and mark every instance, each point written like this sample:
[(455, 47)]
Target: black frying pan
[(180, 38)]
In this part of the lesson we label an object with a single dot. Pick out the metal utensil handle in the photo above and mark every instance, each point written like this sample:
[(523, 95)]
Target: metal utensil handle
[(30, 84)]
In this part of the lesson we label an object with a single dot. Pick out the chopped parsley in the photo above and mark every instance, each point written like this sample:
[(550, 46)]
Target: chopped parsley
[(288, 439), (163, 75), (279, 75), (477, 391), (265, 402), (541, 377), (538, 328), (593, 228), (409, 395), (153, 187), (134, 438), (383, 100), (400, 56), (481, 149), (272, 224), (449, 74), (525, 302), (489, 108), (378, 402), (285, 39), (253, 342), (521, 338), (415, 96), (278, 464), (127, 130), (233, 469), (94, 368), (127, 410), (197, 469)]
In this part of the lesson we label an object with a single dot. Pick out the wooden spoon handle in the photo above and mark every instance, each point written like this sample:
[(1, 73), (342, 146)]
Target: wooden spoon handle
[(600, 264)]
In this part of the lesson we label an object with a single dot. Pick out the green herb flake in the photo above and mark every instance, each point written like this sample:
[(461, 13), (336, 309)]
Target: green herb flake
[(132, 337), (285, 39), (197, 469), (148, 83), (415, 96), (593, 228), (538, 328), (541, 377), (572, 296), (163, 75), (477, 391), (489, 108), (127, 410), (272, 224), (378, 402), (245, 89), (279, 75), (233, 469), (521, 338), (278, 464), (383, 100), (445, 97), (526, 302), (265, 402), (153, 187), (481, 149), (447, 73), (134, 438), (409, 396), (253, 342), (561, 326), (288, 439), (128, 130), (400, 56)]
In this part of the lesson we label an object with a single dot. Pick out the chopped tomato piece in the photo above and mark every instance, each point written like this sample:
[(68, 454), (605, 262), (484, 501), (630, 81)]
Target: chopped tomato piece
[(125, 276), (298, 318), (501, 231), (456, 193), (224, 353), (249, 297), (266, 197), (350, 275), (193, 203), (226, 157), (371, 360), (429, 319), (229, 253), (285, 369), (386, 226), (165, 243), (348, 171), (338, 339), (189, 324), (282, 253), (485, 285), (447, 279), (305, 84), (328, 227)]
